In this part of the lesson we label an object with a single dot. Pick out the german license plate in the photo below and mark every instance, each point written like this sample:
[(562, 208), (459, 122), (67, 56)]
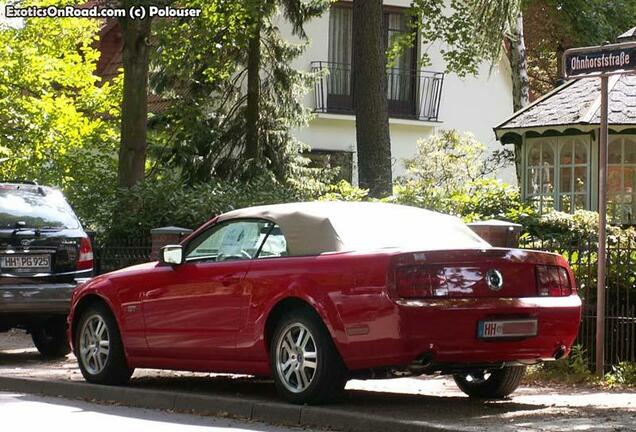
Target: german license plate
[(507, 328), (26, 263)]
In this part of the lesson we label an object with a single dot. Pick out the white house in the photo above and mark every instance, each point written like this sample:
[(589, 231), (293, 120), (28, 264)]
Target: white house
[(421, 101)]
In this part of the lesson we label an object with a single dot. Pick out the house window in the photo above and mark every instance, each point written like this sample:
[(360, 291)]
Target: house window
[(557, 173), (621, 179), (341, 161), (401, 75), (340, 50), (401, 79)]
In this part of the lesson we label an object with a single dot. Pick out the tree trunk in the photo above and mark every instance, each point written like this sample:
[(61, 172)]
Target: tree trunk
[(520, 82), (519, 66), (370, 98), (134, 110), (252, 113)]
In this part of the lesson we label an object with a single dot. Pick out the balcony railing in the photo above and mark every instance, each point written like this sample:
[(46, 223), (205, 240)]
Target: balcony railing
[(411, 94)]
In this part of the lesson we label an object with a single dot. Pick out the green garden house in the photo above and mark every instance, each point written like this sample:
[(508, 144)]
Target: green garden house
[(557, 136)]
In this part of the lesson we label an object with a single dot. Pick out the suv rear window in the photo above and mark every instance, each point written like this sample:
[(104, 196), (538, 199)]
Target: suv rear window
[(37, 207)]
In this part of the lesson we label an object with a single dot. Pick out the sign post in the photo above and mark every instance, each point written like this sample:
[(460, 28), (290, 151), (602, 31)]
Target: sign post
[(590, 62)]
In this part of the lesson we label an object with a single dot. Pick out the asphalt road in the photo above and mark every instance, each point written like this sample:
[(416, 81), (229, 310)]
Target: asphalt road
[(554, 408), (20, 412)]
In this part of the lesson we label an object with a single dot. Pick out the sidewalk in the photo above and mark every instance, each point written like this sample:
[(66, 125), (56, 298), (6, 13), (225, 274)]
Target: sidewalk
[(406, 404)]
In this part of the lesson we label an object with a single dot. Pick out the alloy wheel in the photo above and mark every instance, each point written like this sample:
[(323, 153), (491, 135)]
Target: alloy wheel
[(296, 357), (94, 344)]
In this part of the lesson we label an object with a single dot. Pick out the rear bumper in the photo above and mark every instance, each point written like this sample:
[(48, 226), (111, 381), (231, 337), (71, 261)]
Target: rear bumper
[(54, 298), (444, 332)]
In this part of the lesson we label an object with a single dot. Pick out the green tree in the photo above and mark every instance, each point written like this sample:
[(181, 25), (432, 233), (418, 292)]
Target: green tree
[(451, 174), (204, 69), (552, 26), (134, 104), (297, 12), (369, 94), (58, 124), (470, 32)]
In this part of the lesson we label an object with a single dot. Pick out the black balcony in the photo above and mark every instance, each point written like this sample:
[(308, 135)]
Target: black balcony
[(412, 94)]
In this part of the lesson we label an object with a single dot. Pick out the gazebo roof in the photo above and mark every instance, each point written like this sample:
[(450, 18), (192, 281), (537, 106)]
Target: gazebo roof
[(628, 35), (577, 102)]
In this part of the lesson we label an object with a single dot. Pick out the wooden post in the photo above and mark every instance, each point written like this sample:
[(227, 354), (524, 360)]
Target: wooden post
[(602, 237)]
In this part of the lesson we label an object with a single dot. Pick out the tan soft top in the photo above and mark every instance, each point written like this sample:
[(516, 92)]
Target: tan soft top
[(313, 228)]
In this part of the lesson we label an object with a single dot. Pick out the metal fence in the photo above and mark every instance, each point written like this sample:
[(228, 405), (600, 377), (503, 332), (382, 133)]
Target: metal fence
[(620, 295), (116, 254)]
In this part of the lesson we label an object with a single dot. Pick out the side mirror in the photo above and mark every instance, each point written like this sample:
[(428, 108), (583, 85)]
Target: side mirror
[(171, 254)]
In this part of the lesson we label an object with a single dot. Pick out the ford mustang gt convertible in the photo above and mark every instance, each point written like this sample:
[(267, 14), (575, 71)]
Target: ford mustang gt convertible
[(314, 294)]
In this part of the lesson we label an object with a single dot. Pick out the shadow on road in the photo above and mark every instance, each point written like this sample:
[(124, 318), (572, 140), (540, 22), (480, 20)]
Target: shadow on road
[(405, 406)]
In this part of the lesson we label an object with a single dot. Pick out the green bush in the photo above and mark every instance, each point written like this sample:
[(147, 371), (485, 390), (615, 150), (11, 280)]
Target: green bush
[(343, 191), (168, 201), (573, 370), (624, 373), (479, 200)]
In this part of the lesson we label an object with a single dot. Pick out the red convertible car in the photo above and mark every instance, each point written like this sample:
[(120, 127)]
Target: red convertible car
[(317, 293)]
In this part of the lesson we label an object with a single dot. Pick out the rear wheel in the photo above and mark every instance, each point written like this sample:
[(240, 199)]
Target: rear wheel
[(495, 384), (307, 367), (50, 339), (99, 350)]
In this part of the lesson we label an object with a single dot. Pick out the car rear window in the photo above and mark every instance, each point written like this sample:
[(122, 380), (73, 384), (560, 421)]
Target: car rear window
[(37, 207)]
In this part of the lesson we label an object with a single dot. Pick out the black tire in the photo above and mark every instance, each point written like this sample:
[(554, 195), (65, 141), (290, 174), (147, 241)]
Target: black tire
[(499, 384), (50, 339), (115, 370), (329, 377)]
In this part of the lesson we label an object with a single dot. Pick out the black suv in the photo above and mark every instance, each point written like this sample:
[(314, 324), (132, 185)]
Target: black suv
[(44, 254)]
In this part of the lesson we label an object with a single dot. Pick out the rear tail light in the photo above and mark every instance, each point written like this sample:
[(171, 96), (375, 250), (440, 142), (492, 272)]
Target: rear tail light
[(420, 281), (85, 260), (553, 281)]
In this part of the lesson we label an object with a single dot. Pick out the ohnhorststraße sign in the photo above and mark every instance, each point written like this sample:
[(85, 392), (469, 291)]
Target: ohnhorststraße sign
[(598, 60)]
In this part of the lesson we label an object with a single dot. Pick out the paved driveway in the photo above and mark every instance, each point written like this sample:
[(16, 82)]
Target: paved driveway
[(432, 400)]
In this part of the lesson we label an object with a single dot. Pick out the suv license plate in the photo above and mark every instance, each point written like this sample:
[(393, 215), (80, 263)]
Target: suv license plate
[(490, 329), (26, 263)]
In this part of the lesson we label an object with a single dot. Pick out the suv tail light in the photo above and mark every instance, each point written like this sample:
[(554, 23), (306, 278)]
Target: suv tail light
[(85, 261), (420, 281), (553, 281)]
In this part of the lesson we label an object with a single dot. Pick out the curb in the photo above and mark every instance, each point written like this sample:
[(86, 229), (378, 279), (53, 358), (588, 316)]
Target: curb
[(241, 408)]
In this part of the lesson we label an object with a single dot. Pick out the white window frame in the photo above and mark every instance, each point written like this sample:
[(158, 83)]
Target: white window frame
[(572, 141), (622, 165), (556, 143)]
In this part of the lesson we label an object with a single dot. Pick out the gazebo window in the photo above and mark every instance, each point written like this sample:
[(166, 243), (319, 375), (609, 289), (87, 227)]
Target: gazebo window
[(540, 174), (573, 166), (621, 179), (557, 173)]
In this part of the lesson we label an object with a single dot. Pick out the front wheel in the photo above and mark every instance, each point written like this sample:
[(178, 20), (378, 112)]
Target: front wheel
[(307, 367), (50, 339), (99, 349), (495, 384)]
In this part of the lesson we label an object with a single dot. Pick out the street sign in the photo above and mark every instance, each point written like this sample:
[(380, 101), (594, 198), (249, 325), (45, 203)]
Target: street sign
[(589, 62), (598, 60)]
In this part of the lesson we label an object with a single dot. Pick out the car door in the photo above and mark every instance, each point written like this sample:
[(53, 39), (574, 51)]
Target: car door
[(198, 310)]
